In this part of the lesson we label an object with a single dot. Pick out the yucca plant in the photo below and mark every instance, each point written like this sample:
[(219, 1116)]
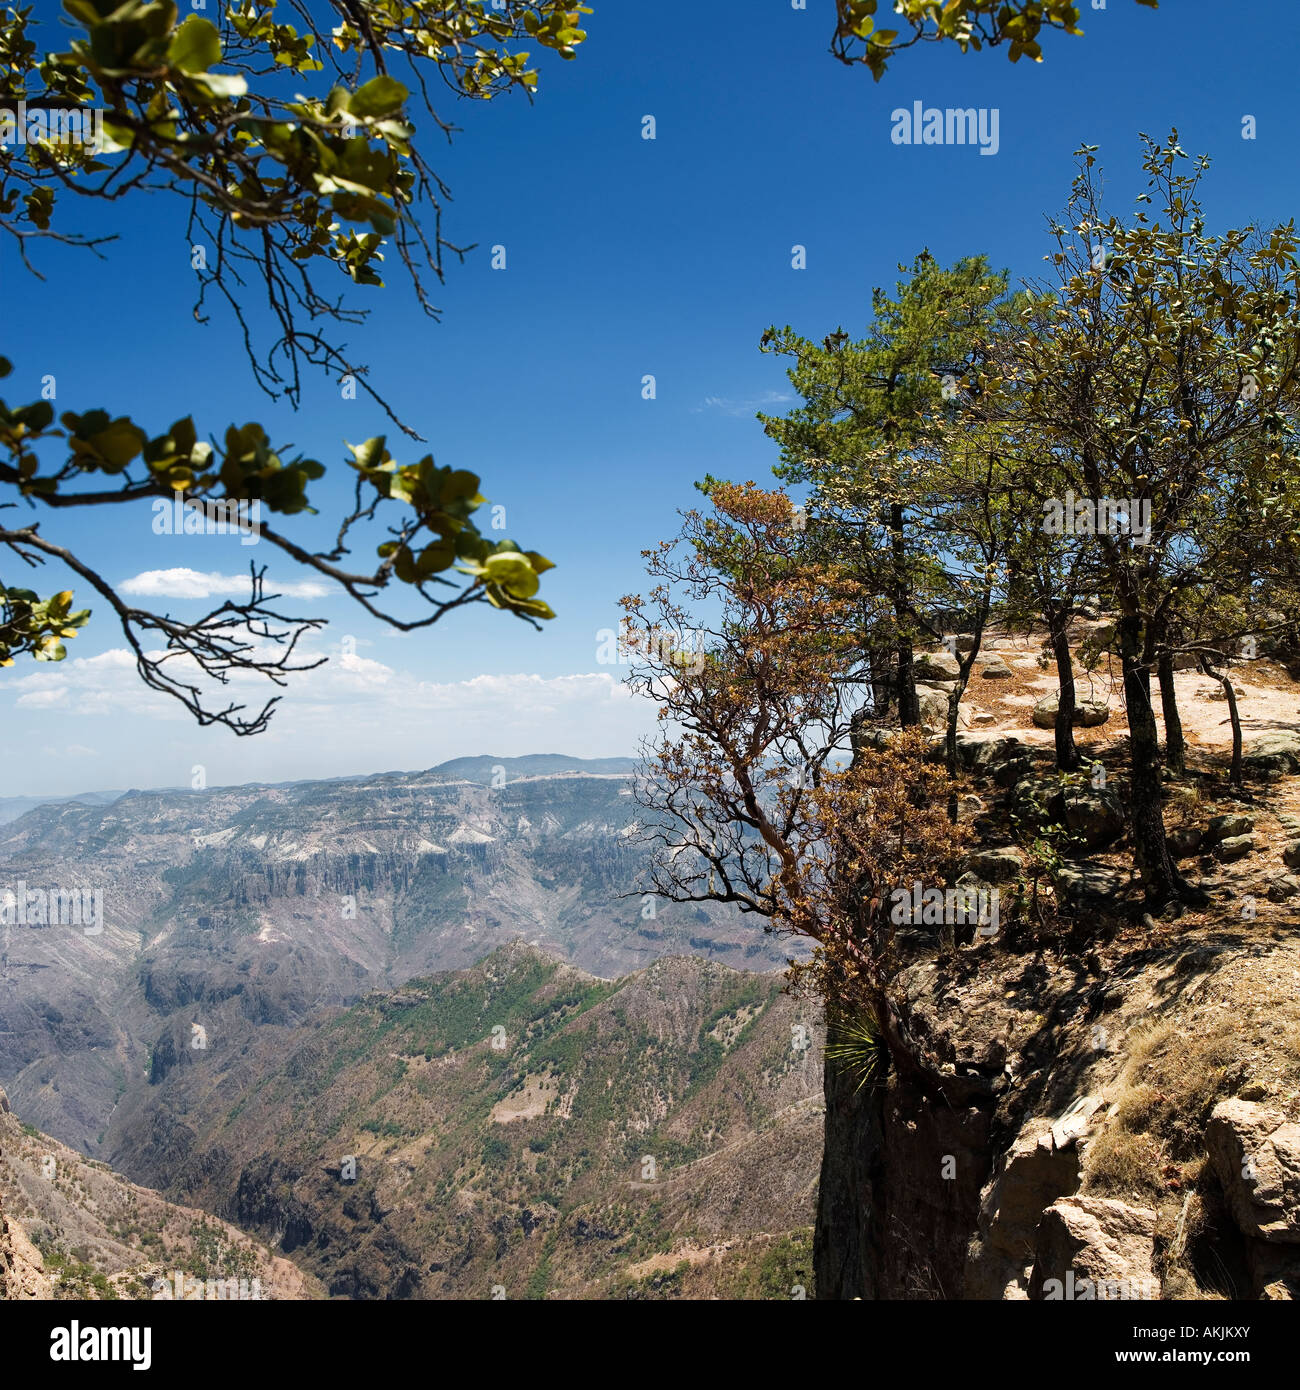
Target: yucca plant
[(856, 1047)]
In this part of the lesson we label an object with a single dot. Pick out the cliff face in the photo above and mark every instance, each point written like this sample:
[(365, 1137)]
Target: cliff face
[(22, 1274), (1129, 1128), (22, 1271)]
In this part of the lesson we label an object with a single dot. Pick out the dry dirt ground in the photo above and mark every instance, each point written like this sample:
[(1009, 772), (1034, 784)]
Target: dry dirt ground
[(1267, 698), (1268, 702)]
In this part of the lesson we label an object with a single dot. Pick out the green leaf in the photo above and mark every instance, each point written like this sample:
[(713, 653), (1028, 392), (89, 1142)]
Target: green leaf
[(512, 573), (458, 484), (217, 85), (195, 45), (381, 96)]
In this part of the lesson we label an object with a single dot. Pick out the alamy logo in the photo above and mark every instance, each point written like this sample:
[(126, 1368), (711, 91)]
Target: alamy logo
[(186, 1287), (954, 125), (1099, 516), (77, 1343), (52, 125), (627, 645), (948, 907), (54, 907), (203, 516), (1098, 1290)]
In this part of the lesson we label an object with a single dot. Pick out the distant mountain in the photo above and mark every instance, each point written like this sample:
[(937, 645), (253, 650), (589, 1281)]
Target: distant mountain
[(519, 1126), (12, 807), (484, 769), (286, 899)]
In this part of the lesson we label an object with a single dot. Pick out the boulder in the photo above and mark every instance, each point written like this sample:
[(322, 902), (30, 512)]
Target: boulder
[(997, 865), (875, 739), (1036, 796), (936, 666), (996, 671), (933, 704), (1255, 1153), (1282, 888), (1079, 881), (1032, 1174), (1010, 773), (1184, 841), (1094, 1248), (1291, 855), (978, 752), (1073, 1123), (1226, 828), (1274, 753), (1097, 817), (1235, 847), (1088, 714), (1099, 634)]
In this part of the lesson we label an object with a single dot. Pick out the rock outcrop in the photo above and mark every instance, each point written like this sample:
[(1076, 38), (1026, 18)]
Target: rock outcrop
[(22, 1271)]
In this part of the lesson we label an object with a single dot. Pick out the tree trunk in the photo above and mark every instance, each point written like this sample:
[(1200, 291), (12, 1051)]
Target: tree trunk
[(881, 690), (1234, 772), (1146, 812), (909, 707), (1067, 755), (1234, 718), (1175, 746), (846, 1192)]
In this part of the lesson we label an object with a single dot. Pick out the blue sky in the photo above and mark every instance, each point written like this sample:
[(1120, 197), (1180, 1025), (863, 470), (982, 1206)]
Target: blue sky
[(625, 257)]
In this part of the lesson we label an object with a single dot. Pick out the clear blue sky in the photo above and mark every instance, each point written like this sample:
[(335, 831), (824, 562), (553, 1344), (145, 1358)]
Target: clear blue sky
[(625, 257)]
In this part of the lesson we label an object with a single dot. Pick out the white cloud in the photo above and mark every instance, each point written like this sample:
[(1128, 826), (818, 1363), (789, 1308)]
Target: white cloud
[(44, 699), (727, 406), (188, 583), (352, 715), (71, 750)]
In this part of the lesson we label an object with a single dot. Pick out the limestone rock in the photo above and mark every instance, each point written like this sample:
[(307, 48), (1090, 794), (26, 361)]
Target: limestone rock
[(1089, 881), (1097, 817), (1032, 1175), (1256, 1155), (1184, 841), (996, 865), (1088, 714), (1094, 1248), (1235, 847), (1226, 828), (936, 666), (1275, 752)]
